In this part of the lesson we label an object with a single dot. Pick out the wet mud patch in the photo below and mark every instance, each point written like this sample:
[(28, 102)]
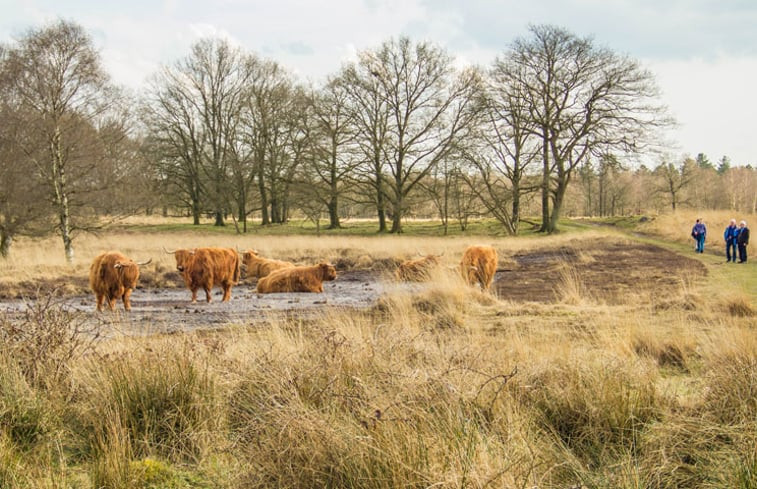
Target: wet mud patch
[(609, 270), (169, 309)]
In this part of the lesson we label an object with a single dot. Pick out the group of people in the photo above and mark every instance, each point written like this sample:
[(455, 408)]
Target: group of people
[(736, 238)]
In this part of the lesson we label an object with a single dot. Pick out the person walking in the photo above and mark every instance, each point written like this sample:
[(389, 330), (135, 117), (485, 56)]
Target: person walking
[(699, 233), (730, 236), (743, 241)]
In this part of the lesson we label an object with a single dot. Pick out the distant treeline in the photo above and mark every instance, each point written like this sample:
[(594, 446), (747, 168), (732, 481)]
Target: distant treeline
[(551, 127)]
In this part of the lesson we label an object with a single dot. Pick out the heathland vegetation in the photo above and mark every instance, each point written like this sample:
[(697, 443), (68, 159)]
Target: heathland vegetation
[(606, 355), (653, 385)]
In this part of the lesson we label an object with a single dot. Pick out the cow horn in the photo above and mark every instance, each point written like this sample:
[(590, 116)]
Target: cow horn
[(142, 263), (169, 252)]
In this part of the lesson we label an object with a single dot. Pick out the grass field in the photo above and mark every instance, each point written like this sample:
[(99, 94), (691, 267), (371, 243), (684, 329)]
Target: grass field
[(446, 387)]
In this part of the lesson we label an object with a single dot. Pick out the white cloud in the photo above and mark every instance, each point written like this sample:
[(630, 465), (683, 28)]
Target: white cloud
[(713, 102), (703, 53)]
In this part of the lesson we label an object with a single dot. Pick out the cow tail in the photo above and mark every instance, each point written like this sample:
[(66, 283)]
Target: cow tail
[(236, 268)]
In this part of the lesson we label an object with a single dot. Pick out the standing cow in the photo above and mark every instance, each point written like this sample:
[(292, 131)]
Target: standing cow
[(297, 279), (113, 276), (258, 267), (202, 268), (478, 265)]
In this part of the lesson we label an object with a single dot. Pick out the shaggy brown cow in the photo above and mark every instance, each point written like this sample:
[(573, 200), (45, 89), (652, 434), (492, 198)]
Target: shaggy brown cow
[(258, 267), (478, 265), (297, 279), (206, 267), (417, 270), (113, 276)]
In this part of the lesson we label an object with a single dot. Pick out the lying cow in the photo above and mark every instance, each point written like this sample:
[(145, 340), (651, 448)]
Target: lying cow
[(478, 265), (113, 276), (258, 267), (297, 279), (417, 270), (206, 267)]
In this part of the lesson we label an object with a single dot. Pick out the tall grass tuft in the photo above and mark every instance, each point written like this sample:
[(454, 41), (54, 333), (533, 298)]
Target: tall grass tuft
[(597, 407), (147, 402)]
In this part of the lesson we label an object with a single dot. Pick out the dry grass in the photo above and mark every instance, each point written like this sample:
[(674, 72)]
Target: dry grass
[(677, 226), (446, 387)]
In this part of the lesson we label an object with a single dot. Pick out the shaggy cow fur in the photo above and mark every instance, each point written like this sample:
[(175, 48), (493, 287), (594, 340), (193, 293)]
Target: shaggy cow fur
[(478, 265), (113, 276), (417, 270), (206, 267), (258, 267), (297, 279)]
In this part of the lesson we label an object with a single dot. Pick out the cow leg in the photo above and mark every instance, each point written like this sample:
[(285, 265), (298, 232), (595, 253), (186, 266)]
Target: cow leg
[(207, 294), (100, 300), (112, 303), (226, 292), (194, 295), (127, 301)]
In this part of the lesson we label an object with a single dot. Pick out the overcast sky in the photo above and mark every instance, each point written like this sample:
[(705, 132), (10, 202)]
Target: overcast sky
[(703, 53)]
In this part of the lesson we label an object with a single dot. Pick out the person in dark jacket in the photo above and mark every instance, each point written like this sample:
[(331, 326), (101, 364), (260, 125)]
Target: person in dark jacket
[(699, 233), (743, 241), (730, 236)]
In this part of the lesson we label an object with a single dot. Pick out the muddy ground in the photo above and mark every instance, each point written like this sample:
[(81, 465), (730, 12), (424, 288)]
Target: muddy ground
[(608, 270)]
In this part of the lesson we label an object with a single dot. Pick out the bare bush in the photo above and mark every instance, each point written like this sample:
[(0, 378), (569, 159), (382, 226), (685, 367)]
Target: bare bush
[(46, 338)]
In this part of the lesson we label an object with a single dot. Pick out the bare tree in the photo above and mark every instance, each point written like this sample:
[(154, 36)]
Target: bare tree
[(673, 180), (369, 112), (57, 80), (333, 145), (504, 147), (193, 109), (269, 131), (429, 107), (583, 100)]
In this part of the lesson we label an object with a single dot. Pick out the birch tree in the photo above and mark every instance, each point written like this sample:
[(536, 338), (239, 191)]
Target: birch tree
[(57, 78)]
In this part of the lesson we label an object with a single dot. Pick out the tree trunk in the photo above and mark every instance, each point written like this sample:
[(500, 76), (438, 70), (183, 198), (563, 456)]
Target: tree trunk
[(545, 191), (381, 208), (397, 214), (6, 240), (515, 216), (61, 196), (219, 219), (195, 212), (562, 186), (334, 213), (265, 219), (396, 223)]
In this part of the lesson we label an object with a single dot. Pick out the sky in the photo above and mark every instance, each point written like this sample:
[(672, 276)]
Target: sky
[(703, 53)]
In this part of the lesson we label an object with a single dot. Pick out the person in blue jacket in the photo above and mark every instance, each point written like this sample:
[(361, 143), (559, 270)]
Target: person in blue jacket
[(743, 241), (699, 233), (730, 236)]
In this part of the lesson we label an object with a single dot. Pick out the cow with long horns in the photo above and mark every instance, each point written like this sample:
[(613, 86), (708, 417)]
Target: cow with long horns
[(113, 276), (202, 268)]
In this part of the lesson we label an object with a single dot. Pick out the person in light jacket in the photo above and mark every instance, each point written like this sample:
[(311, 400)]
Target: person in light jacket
[(743, 241)]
